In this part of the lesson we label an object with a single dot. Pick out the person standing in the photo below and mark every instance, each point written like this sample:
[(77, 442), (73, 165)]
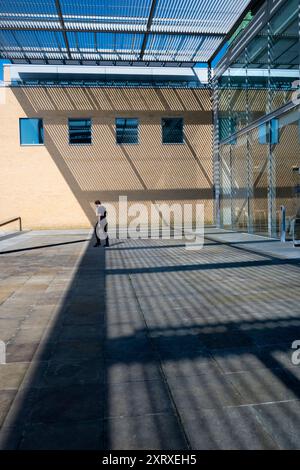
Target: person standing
[(101, 225)]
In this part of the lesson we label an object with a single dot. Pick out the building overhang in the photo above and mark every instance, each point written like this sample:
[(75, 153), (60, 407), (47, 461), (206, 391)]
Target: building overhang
[(24, 74)]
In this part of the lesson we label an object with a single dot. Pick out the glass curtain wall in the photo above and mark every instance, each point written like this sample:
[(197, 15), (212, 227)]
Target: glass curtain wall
[(286, 167), (258, 164)]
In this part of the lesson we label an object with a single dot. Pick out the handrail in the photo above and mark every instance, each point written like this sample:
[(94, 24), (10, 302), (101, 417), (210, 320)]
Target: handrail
[(9, 221)]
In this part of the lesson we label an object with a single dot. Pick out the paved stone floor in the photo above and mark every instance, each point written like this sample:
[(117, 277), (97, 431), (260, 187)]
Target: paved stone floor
[(147, 345)]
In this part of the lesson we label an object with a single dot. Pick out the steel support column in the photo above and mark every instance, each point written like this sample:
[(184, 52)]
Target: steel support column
[(271, 163), (148, 28), (216, 153), (62, 23)]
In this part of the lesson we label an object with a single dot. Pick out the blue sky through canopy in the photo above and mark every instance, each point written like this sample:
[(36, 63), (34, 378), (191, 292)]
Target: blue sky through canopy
[(155, 31)]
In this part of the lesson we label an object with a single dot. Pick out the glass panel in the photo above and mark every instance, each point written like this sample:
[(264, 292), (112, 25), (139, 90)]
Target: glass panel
[(80, 131), (227, 127), (172, 130), (226, 124), (161, 47), (31, 131), (238, 81), (260, 175), (104, 45), (266, 73), (274, 131), (201, 15), (269, 132), (127, 131), (259, 182), (286, 158), (225, 190), (109, 13), (257, 102), (263, 133), (284, 53), (240, 183)]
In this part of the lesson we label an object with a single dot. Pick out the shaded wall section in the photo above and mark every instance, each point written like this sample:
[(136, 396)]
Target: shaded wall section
[(54, 185)]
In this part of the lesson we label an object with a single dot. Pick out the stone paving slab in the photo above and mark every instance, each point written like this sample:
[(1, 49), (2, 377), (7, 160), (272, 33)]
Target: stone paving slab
[(145, 345), (147, 432), (256, 243), (243, 429), (281, 420), (66, 436)]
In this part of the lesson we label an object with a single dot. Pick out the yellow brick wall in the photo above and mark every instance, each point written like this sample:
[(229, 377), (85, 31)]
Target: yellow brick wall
[(54, 185)]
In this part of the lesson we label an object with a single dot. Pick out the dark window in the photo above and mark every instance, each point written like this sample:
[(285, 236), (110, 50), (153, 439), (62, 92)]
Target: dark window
[(227, 127), (31, 131), (80, 131), (127, 131), (172, 130)]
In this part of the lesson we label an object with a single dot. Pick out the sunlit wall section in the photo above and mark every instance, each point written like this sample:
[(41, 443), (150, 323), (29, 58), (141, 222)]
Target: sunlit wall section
[(67, 177)]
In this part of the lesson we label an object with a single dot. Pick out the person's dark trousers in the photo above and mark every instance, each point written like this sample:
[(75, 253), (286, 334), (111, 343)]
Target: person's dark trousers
[(98, 241), (107, 239), (105, 229)]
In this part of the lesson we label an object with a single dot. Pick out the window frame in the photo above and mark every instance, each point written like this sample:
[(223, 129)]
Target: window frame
[(138, 131), (268, 132), (91, 127), (20, 133), (162, 133)]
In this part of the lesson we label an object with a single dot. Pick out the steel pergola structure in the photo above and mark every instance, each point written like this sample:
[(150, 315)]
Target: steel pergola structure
[(181, 32)]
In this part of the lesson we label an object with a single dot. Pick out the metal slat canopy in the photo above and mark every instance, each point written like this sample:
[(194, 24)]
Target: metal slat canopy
[(148, 31)]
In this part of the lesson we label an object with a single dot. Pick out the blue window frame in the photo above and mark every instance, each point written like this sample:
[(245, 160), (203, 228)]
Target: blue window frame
[(268, 133), (31, 131), (263, 134), (172, 130), (274, 131), (127, 131), (80, 131)]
